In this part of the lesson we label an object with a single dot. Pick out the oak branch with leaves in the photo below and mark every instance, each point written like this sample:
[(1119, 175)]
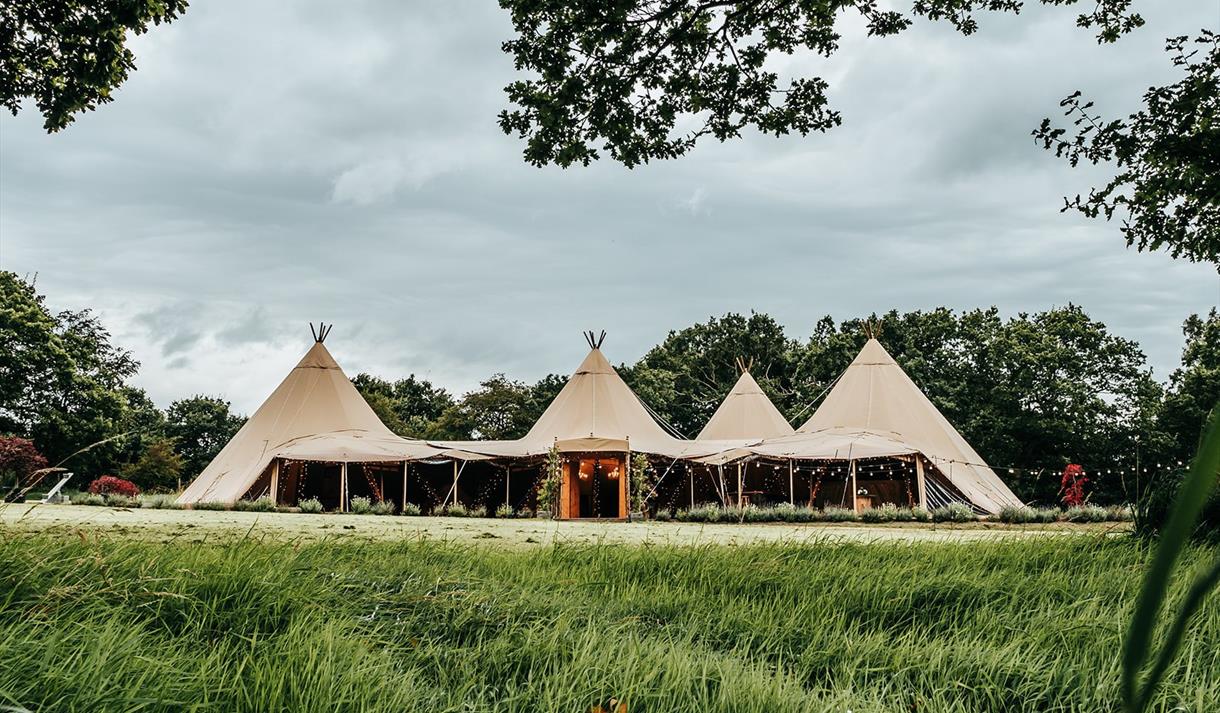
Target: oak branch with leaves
[(1167, 157), (646, 79), (68, 56)]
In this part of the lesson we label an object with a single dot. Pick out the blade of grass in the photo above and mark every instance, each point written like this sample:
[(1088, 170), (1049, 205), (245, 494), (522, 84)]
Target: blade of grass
[(1174, 538)]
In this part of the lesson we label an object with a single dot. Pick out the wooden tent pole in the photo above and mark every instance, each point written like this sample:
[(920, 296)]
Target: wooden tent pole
[(855, 506), (508, 497), (343, 487), (405, 465), (919, 482), (739, 504), (791, 487), (691, 473), (626, 487), (275, 481)]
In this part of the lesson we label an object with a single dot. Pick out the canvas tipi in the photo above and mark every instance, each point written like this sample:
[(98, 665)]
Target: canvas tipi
[(875, 394), (596, 411), (317, 404), (745, 413)]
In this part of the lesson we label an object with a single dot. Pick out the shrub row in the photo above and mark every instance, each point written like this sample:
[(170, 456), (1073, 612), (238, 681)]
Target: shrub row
[(1081, 513), (789, 513), (152, 501), (360, 505), (711, 513)]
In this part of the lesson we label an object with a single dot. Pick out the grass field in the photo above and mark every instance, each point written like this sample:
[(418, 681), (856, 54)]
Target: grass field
[(186, 525), (103, 621)]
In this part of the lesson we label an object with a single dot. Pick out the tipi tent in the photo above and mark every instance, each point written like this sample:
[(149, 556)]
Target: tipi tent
[(876, 395), (594, 412), (744, 414), (595, 422), (315, 414)]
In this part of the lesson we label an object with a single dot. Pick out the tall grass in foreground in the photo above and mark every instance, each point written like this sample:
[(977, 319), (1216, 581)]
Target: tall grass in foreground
[(1173, 544), (108, 624)]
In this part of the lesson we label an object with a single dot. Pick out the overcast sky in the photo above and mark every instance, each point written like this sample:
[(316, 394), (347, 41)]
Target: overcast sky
[(272, 163)]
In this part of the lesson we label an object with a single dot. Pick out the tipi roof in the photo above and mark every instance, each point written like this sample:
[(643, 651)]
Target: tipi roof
[(874, 393), (595, 411), (316, 403), (745, 413)]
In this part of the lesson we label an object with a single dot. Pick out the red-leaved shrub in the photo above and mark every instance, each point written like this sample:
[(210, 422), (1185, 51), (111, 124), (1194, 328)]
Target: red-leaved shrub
[(1071, 487), (108, 484)]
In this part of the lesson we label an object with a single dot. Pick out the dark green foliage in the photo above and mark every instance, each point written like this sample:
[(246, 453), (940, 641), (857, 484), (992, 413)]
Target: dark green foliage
[(1152, 509), (69, 56), (621, 76), (253, 625), (200, 426), (687, 375), (157, 469), (1166, 185), (61, 380), (500, 408), (1193, 388), (408, 406)]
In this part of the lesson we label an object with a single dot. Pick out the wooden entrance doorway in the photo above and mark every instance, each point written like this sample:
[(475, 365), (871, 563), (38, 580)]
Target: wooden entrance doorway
[(593, 486)]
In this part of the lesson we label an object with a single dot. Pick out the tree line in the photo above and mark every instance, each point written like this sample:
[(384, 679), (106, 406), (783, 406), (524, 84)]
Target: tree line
[(65, 386), (1031, 392)]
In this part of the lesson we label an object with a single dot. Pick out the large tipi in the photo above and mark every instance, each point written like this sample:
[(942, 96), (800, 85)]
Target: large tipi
[(596, 411), (595, 424), (875, 394), (745, 413), (315, 410)]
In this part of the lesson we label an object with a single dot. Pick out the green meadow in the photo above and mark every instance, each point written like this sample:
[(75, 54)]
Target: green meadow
[(112, 623)]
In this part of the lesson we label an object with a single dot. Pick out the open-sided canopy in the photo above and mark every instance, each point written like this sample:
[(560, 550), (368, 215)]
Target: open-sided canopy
[(875, 394), (745, 413), (314, 414)]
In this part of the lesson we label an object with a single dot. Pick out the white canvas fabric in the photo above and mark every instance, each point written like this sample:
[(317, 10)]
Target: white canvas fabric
[(876, 395), (745, 413), (314, 414)]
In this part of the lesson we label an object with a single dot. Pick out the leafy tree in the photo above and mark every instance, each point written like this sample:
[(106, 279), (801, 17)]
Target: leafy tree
[(687, 375), (61, 380), (18, 458), (1194, 388), (1074, 393), (408, 406), (1167, 157), (200, 426), (542, 393), (500, 409), (68, 56), (142, 421), (627, 76), (157, 469)]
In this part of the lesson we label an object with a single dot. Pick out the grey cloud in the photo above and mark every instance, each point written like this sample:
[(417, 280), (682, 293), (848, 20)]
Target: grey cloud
[(270, 163), (172, 326)]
